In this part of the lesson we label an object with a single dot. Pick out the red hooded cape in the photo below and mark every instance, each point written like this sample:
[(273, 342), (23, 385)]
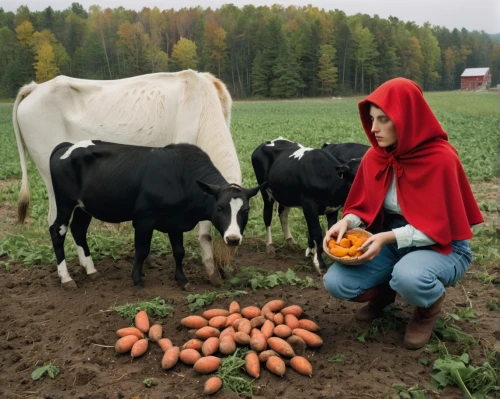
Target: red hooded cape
[(432, 188)]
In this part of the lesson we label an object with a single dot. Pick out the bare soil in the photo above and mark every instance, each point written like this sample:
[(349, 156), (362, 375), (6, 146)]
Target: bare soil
[(75, 329)]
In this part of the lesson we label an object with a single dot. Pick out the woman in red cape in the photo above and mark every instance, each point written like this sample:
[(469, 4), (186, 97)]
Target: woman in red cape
[(412, 192)]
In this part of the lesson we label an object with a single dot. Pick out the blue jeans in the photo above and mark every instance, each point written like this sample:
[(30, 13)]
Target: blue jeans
[(418, 274)]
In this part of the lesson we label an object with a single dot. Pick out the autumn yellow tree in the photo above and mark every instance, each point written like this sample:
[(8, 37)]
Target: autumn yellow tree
[(135, 41), (184, 54), (215, 43), (45, 65), (24, 33)]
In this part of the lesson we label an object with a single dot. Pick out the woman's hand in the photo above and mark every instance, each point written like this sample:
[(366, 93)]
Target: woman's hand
[(374, 244), (337, 230)]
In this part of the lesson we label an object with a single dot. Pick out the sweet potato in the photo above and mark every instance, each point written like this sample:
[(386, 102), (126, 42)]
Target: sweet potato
[(252, 365), (170, 358), (263, 356), (208, 314), (232, 318), (353, 238), (241, 338), (267, 313), (227, 331), (345, 243), (234, 307), (339, 251), (275, 305), (267, 329), (258, 341), (244, 326), (280, 346), (155, 332), (359, 242), (276, 366), (257, 321), (141, 321), (311, 339), (308, 325), (279, 318), (212, 385), (352, 251), (189, 356), (207, 332), (193, 343), (139, 348), (282, 331), (210, 346), (298, 345), (217, 321), (291, 321), (123, 332), (194, 322), (165, 344), (227, 346), (296, 310), (125, 344), (250, 312), (207, 365), (301, 365)]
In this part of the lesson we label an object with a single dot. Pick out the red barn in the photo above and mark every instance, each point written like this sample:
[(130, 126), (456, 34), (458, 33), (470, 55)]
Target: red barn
[(474, 78)]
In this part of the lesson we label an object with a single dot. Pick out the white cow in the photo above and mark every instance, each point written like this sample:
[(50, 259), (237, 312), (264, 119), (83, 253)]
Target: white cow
[(150, 110)]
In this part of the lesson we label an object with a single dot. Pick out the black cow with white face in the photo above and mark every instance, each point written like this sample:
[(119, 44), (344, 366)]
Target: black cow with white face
[(303, 177), (169, 189)]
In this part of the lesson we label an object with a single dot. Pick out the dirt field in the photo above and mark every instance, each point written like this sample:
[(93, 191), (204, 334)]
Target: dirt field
[(40, 321)]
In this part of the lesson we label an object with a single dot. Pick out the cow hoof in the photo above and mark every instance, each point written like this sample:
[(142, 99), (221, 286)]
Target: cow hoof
[(69, 284), (216, 280), (320, 270), (187, 287), (310, 252), (138, 287), (271, 251), (291, 242), (94, 276)]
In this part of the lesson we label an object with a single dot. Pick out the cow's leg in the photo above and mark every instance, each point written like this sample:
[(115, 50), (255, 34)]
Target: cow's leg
[(310, 210), (177, 243), (58, 234), (331, 217), (268, 218), (285, 227), (79, 226), (311, 248), (207, 253), (143, 233)]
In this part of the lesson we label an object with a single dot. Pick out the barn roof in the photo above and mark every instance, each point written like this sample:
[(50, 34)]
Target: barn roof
[(475, 72)]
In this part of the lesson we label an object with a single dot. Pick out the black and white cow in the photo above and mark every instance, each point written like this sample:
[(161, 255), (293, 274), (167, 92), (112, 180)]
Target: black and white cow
[(156, 188), (313, 179)]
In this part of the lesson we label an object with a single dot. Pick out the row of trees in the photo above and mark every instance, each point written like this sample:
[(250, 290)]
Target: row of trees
[(258, 51)]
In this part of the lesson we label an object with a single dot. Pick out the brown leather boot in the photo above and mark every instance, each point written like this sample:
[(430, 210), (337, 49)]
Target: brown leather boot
[(378, 298), (419, 329)]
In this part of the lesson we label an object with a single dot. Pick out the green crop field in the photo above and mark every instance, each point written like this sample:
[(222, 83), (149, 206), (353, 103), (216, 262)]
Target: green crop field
[(470, 119)]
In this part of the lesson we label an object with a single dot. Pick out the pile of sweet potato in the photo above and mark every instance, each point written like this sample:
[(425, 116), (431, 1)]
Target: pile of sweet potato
[(276, 335), (348, 247)]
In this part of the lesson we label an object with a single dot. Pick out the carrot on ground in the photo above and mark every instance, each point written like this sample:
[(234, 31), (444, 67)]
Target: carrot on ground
[(142, 321)]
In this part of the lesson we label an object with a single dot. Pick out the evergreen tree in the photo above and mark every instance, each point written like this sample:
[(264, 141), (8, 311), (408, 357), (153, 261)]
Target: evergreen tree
[(286, 81), (260, 79)]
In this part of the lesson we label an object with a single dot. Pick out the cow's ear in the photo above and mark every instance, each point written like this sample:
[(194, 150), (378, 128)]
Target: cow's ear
[(325, 145), (209, 189), (251, 192)]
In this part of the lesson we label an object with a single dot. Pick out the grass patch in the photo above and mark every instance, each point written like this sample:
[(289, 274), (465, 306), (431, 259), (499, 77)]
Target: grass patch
[(378, 326), (256, 278), (404, 392), (337, 358), (231, 373), (154, 307), (197, 301)]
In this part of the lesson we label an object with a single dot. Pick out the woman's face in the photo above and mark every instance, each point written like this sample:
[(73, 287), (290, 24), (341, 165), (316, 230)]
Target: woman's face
[(382, 128)]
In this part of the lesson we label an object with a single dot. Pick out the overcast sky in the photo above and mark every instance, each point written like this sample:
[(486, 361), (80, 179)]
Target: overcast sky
[(469, 14)]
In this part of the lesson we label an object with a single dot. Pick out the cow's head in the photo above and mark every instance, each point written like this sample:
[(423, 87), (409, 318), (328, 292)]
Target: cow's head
[(230, 214)]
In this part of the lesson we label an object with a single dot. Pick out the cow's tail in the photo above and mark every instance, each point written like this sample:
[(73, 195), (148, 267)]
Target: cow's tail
[(24, 194)]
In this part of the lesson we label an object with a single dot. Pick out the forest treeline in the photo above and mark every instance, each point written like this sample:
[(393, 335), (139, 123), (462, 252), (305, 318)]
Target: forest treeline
[(261, 51)]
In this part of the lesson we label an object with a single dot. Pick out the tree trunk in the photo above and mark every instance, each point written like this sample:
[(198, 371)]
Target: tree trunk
[(106, 54)]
